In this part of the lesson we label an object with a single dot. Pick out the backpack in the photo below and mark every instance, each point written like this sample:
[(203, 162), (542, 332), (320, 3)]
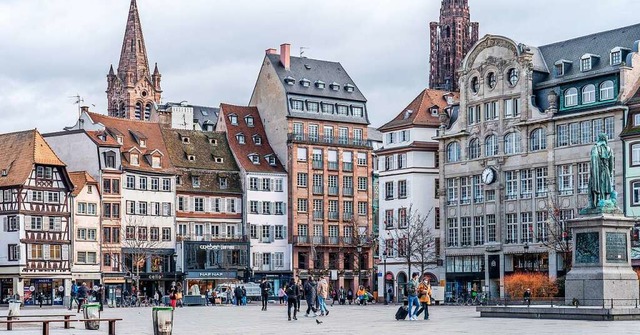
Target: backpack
[(290, 291), (411, 288)]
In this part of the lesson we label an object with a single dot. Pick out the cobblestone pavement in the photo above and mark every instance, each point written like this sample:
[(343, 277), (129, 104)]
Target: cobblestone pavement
[(378, 319)]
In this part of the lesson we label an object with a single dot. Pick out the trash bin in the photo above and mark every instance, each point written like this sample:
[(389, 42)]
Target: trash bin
[(14, 308), (91, 311), (162, 320)]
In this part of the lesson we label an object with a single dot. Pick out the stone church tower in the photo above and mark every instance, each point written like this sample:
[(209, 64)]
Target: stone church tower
[(132, 92), (451, 39)]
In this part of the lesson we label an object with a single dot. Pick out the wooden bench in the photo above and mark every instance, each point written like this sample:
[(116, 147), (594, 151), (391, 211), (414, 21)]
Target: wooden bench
[(45, 323), (67, 318)]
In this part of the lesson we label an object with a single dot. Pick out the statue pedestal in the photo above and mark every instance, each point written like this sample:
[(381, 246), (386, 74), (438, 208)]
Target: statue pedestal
[(601, 268)]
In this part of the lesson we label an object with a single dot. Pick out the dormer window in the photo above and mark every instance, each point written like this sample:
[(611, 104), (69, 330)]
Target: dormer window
[(271, 159), (195, 181), (588, 61), (222, 181), (191, 158), (320, 84), (617, 55), (249, 121), (312, 106), (255, 159), (185, 139), (218, 160), (119, 139), (305, 82), (434, 111), (233, 119), (134, 159), (240, 138), (407, 113), (257, 139), (213, 141), (358, 111), (155, 162), (297, 104), (562, 66), (328, 108), (143, 143), (334, 86), (349, 88), (289, 80)]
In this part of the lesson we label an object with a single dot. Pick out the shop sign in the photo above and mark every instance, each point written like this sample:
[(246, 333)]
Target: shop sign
[(211, 246), (212, 274), (155, 277)]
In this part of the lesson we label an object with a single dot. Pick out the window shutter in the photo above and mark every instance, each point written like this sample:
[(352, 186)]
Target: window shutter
[(284, 232), (65, 252), (27, 221), (58, 224), (259, 207), (45, 223), (273, 184), (409, 188), (272, 208), (272, 232), (18, 222), (192, 205), (29, 247), (238, 206), (45, 251), (5, 221)]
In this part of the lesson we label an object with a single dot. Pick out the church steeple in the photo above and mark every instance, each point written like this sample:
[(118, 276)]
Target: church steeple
[(451, 39), (133, 57), (133, 92)]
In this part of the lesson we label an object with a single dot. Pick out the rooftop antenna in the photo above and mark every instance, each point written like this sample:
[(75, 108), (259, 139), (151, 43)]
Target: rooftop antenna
[(78, 102), (302, 49)]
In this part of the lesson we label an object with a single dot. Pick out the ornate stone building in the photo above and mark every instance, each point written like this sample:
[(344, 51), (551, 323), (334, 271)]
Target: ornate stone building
[(132, 92), (451, 39), (515, 155)]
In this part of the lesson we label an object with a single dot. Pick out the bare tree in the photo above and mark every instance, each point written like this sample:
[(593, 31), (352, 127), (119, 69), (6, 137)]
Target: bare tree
[(413, 240), (555, 234), (137, 246)]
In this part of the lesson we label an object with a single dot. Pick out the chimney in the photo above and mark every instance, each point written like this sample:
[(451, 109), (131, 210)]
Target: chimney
[(84, 109), (285, 55), (270, 51)]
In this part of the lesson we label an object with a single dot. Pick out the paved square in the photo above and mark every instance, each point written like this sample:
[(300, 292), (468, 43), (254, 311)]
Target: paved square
[(375, 319)]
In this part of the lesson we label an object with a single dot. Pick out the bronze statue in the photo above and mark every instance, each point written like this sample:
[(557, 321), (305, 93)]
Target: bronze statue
[(602, 196)]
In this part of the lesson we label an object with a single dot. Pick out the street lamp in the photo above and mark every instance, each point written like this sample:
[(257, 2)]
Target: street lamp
[(359, 249), (384, 276), (526, 253), (175, 268)]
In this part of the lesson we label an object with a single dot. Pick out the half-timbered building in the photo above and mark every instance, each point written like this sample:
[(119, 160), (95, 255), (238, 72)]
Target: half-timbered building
[(34, 210)]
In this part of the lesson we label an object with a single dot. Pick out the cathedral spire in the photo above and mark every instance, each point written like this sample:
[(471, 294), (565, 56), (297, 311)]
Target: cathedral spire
[(133, 57)]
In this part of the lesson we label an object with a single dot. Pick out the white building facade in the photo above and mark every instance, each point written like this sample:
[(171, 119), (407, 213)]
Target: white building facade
[(86, 233)]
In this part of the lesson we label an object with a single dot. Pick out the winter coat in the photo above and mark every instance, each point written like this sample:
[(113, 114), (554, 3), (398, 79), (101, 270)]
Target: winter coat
[(310, 291), (323, 289), (425, 291)]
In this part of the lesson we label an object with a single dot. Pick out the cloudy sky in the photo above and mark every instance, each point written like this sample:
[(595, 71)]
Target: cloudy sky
[(210, 51)]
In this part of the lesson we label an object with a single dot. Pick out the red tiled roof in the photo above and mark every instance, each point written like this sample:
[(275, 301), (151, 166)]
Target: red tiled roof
[(80, 179), (102, 138), (420, 114), (152, 135), (242, 151), (19, 151)]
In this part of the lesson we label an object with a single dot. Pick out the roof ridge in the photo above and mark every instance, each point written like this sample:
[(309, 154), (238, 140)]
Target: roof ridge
[(590, 35), (36, 134), (121, 119)]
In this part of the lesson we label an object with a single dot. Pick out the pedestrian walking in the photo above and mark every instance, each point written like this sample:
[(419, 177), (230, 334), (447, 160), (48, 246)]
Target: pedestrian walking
[(342, 295), (310, 296), (292, 297), (74, 294), (40, 298), (238, 295), (82, 295), (173, 299), (99, 294), (424, 295), (323, 293), (390, 294), (350, 296), (265, 289), (300, 295), (527, 296), (207, 297), (244, 296), (281, 295), (412, 293)]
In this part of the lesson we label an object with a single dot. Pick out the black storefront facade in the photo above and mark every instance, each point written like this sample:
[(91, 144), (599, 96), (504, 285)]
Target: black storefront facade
[(208, 264), (156, 270)]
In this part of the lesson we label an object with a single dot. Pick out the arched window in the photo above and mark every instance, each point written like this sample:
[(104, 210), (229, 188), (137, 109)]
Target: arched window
[(512, 143), (570, 97), (453, 152), (491, 79), (147, 112), (606, 90), (538, 140), (474, 148), (491, 146), (589, 94), (138, 110), (513, 76), (475, 84), (121, 110)]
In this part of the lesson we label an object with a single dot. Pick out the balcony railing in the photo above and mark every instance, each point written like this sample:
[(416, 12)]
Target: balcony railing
[(318, 190), (332, 166), (351, 142), (327, 240), (301, 239), (347, 166), (334, 240), (333, 190), (347, 216), (317, 164), (318, 215), (333, 215), (347, 191), (317, 239)]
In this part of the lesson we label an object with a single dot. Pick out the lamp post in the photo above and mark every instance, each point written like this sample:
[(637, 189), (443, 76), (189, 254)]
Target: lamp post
[(359, 249), (175, 269), (526, 253), (384, 276)]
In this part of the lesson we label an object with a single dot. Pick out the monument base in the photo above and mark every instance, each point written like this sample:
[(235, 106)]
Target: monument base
[(601, 274), (560, 313)]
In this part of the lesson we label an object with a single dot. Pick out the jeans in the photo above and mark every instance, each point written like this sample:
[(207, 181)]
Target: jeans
[(322, 304), (425, 308), (413, 300), (264, 301), (291, 303)]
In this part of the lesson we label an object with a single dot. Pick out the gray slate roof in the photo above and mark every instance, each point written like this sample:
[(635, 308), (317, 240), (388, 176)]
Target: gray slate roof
[(211, 116), (598, 44), (313, 70)]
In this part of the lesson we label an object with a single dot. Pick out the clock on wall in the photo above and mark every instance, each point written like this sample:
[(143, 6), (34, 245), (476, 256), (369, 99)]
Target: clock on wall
[(488, 176)]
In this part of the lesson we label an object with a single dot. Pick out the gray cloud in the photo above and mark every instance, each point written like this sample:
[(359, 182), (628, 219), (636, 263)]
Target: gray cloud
[(210, 51)]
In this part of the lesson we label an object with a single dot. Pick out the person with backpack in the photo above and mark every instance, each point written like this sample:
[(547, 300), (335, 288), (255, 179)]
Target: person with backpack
[(292, 296), (412, 293), (350, 296), (82, 295), (310, 296), (265, 289)]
